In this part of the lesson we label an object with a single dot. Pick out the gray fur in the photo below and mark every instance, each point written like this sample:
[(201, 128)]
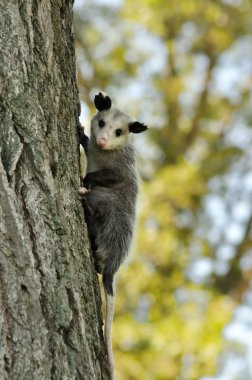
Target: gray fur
[(110, 204), (110, 198), (112, 208)]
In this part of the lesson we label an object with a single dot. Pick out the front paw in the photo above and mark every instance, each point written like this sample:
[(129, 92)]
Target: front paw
[(82, 192)]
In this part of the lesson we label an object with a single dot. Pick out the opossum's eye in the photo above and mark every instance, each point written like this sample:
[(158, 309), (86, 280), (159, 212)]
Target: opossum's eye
[(101, 123), (118, 132)]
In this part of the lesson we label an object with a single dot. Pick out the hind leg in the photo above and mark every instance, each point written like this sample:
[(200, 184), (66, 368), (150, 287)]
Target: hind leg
[(90, 221)]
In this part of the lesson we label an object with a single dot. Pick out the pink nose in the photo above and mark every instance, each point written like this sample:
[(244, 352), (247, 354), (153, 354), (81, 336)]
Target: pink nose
[(102, 142)]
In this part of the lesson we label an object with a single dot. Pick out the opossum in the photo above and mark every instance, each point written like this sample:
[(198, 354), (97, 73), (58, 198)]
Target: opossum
[(109, 195)]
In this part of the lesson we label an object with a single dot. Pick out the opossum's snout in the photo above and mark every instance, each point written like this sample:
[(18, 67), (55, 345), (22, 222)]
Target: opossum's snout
[(102, 143)]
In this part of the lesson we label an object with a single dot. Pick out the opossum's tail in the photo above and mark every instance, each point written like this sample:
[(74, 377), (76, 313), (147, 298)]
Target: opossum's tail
[(108, 282), (108, 331)]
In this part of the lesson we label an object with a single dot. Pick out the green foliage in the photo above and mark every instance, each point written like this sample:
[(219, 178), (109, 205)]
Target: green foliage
[(168, 323)]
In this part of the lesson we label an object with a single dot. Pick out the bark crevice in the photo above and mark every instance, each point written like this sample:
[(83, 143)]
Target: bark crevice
[(50, 304)]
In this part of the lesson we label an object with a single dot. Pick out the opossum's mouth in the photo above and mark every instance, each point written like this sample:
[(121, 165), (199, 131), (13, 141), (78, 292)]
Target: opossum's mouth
[(102, 147)]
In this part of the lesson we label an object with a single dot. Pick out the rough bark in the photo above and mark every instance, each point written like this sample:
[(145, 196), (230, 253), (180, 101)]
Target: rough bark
[(50, 306)]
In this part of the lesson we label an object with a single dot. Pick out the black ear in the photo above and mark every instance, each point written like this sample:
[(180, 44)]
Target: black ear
[(102, 102), (137, 127)]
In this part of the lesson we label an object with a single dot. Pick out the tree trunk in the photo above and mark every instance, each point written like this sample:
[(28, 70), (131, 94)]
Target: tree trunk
[(50, 305)]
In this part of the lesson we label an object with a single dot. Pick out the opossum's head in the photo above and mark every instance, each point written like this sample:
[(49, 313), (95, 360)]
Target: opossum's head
[(110, 128)]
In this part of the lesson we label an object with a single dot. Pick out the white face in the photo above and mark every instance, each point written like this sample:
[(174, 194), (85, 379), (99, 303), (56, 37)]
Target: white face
[(110, 129)]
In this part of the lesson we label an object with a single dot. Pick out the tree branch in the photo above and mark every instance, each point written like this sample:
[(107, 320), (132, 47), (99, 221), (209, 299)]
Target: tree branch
[(202, 101), (234, 281)]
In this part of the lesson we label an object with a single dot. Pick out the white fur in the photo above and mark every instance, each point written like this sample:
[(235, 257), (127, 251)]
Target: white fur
[(114, 119)]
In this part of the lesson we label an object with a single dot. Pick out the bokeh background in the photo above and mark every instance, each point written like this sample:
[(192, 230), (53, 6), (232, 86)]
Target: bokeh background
[(184, 67)]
